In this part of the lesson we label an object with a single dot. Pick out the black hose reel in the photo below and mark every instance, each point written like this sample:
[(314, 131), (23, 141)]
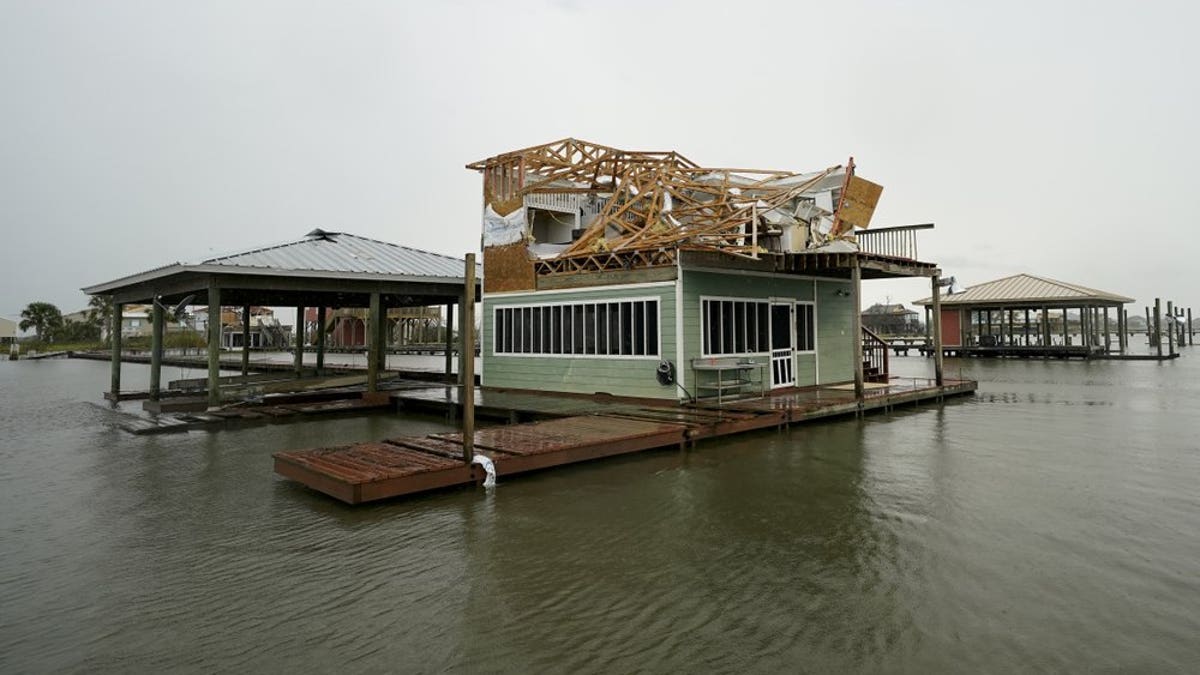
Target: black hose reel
[(665, 372)]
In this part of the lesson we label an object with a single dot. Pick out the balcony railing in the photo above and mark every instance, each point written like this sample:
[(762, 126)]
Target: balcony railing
[(893, 242)]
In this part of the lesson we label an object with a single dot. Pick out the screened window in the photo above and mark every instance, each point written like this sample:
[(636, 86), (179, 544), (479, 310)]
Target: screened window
[(624, 328), (806, 327), (734, 326)]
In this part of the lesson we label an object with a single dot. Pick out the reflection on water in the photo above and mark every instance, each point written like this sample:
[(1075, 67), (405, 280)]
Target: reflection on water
[(1046, 524)]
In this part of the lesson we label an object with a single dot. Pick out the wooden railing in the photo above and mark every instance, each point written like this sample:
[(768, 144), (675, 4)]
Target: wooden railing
[(894, 242), (875, 357)]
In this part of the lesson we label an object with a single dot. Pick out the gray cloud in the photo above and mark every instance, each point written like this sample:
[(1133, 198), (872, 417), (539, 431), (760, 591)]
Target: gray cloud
[(1038, 138)]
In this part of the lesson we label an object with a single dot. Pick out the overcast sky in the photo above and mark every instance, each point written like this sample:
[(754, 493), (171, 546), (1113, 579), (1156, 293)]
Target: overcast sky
[(1052, 138)]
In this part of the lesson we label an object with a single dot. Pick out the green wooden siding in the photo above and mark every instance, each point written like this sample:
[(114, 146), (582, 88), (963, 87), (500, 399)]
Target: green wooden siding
[(835, 323), (733, 285), (620, 376)]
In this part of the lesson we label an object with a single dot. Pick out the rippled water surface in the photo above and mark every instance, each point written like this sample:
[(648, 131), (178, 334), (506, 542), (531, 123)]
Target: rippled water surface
[(1049, 523)]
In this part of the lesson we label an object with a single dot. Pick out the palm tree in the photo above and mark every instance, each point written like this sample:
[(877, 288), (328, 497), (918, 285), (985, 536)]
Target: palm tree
[(43, 317)]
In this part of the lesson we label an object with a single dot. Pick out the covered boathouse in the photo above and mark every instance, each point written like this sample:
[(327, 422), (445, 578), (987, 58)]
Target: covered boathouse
[(644, 274), (322, 270), (1031, 316)]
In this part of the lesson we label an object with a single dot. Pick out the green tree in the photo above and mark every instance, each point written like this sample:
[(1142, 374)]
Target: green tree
[(100, 311), (43, 317), (76, 331)]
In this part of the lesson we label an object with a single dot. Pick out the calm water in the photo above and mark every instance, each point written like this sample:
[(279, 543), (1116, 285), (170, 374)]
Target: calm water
[(1049, 523)]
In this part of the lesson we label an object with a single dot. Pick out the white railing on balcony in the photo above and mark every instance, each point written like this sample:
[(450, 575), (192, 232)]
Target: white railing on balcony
[(894, 242)]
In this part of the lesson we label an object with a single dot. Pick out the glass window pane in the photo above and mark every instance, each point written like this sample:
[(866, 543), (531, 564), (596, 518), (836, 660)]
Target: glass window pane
[(576, 329), (602, 328), (652, 328), (639, 328), (556, 328)]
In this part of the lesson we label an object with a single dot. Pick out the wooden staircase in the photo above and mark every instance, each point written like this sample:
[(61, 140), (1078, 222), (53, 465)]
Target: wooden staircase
[(875, 357)]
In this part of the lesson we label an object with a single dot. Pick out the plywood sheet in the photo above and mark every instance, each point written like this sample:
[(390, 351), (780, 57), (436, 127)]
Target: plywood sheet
[(858, 203)]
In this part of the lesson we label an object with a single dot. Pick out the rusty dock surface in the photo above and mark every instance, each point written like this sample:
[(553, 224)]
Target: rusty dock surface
[(578, 430)]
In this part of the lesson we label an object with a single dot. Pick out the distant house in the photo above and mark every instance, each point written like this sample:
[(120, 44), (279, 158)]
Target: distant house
[(135, 321), (891, 319), (347, 326), (8, 330), (265, 330)]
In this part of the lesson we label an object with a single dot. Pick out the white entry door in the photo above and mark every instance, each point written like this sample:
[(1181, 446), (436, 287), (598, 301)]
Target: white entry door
[(783, 344)]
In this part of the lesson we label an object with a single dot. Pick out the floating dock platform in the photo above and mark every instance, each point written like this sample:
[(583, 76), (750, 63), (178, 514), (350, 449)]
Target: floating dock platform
[(568, 430)]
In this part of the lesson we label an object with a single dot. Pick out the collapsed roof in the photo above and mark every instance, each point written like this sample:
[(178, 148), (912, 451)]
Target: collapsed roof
[(630, 200)]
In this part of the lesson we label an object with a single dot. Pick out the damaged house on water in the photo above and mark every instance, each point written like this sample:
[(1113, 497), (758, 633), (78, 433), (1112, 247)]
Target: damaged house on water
[(645, 274)]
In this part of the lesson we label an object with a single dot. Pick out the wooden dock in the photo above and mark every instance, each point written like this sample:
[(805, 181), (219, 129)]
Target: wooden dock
[(577, 429)]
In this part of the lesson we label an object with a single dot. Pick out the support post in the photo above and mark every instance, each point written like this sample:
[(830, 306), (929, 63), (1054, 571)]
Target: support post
[(245, 340), (462, 328), (321, 340), (156, 349), (468, 347), (114, 334), (856, 331), (1158, 326), (298, 361), (449, 338), (1046, 337), (1191, 338), (383, 335), (928, 326), (374, 347), (1171, 328), (214, 345), (1107, 334), (937, 330), (1122, 329), (1149, 328)]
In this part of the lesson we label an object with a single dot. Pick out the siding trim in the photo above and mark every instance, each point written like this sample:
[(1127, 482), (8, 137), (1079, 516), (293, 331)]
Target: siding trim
[(585, 289), (755, 273), (679, 351)]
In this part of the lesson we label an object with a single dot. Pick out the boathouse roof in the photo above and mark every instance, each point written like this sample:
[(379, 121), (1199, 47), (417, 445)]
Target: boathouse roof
[(318, 253), (336, 268), (1028, 289)]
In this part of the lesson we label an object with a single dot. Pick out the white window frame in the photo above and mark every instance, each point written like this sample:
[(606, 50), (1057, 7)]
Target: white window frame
[(815, 333), (566, 328), (704, 353)]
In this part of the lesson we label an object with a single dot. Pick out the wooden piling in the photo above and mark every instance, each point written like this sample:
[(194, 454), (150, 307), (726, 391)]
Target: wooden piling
[(375, 315), (1190, 332), (1158, 327), (937, 330), (245, 340), (449, 338), (298, 357), (1171, 328), (468, 347), (214, 345), (856, 327), (156, 349), (1120, 329), (321, 340), (115, 339)]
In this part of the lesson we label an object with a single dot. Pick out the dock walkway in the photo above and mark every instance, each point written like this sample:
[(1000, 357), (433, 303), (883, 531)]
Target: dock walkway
[(569, 430)]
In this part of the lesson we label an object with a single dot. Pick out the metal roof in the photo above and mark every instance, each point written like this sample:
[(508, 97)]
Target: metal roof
[(344, 252), (1026, 288), (335, 255)]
